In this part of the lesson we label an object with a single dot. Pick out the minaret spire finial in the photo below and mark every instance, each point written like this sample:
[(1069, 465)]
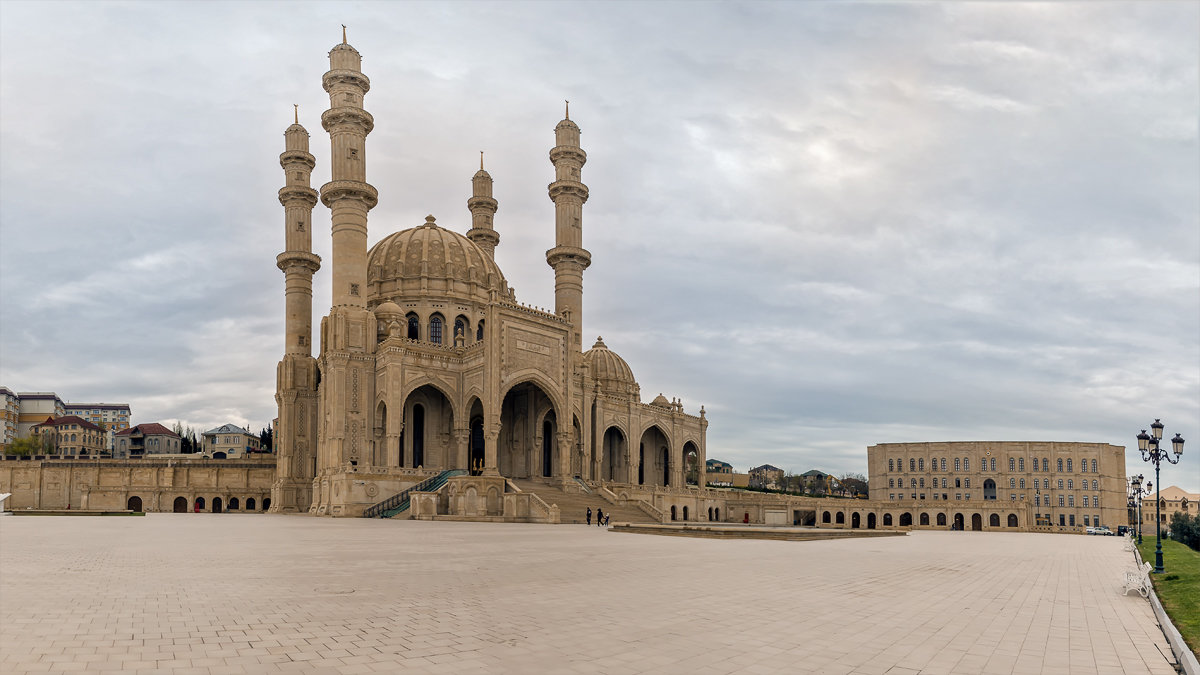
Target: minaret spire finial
[(481, 160), (343, 33), (297, 107), (568, 115)]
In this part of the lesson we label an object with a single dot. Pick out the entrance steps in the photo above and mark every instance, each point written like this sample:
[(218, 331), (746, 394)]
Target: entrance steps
[(573, 506)]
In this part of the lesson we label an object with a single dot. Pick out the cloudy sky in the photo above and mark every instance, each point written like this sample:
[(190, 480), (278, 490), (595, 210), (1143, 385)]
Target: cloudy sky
[(832, 224)]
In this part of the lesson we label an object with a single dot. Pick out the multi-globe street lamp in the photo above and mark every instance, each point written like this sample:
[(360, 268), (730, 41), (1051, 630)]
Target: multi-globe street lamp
[(1152, 452), (1136, 491)]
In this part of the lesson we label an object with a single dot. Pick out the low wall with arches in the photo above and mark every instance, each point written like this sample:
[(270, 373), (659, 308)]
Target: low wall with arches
[(176, 485)]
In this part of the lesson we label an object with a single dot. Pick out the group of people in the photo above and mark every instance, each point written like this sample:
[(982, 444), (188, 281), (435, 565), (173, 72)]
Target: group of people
[(601, 517)]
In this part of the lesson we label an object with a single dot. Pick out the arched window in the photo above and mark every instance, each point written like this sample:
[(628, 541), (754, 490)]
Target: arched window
[(912, 464), (1036, 464), (891, 482), (414, 327), (479, 331), (921, 464), (993, 464), (922, 482), (943, 464), (913, 483), (966, 463), (891, 467), (1094, 467), (1021, 463), (1095, 484), (1069, 465), (1083, 466), (460, 328), (1086, 500), (1012, 463), (1045, 483), (1061, 501), (1022, 483), (1070, 484), (1012, 482), (943, 482), (957, 464), (1070, 500), (1060, 483), (1096, 501), (435, 329), (1060, 463)]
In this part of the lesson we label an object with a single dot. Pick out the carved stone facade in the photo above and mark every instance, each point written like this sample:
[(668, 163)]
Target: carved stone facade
[(429, 363)]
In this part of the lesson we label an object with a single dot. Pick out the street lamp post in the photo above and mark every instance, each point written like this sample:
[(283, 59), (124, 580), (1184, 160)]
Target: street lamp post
[(1152, 452), (1136, 491)]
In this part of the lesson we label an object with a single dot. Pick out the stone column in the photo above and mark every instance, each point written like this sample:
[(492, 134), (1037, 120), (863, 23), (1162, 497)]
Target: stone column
[(491, 438), (564, 456), (462, 436)]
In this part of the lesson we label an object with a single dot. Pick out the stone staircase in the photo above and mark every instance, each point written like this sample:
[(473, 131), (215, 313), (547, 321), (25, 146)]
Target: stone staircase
[(573, 506)]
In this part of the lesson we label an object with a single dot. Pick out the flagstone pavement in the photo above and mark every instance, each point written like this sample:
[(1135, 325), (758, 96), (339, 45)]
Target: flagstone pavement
[(256, 593)]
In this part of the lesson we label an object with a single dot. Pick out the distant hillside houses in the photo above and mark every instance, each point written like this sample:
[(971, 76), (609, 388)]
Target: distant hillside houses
[(229, 441)]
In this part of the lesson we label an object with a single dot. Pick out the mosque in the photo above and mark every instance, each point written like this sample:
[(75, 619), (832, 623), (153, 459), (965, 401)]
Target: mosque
[(429, 367)]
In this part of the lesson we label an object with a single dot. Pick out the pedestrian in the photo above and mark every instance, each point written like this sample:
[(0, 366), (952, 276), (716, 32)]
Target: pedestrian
[(589, 516), (599, 516), (606, 516)]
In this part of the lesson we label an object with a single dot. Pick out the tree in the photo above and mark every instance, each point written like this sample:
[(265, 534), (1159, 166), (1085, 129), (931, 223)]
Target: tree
[(1185, 529), (265, 439), (24, 446), (854, 484)]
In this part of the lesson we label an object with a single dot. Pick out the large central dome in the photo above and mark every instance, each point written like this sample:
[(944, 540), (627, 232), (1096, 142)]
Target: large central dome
[(431, 259)]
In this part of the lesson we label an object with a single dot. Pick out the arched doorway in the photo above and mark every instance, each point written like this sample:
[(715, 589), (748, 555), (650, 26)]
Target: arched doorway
[(958, 522), (925, 519), (427, 441), (824, 516), (976, 522), (989, 489), (994, 520), (134, 504), (685, 514), (870, 521), (179, 505), (216, 505), (941, 520), (655, 449), (266, 503), (887, 520), (476, 457), (672, 512), (710, 513), (691, 464), (855, 520), (841, 518), (218, 455), (199, 505), (1012, 520), (612, 455), (234, 505), (250, 505), (905, 520), (527, 447), (717, 514)]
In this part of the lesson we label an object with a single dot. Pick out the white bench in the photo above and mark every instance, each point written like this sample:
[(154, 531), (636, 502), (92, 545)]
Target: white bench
[(1139, 580), (1130, 544)]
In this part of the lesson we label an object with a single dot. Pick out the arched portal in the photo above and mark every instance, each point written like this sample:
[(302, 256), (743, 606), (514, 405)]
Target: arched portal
[(905, 519), (234, 504), (925, 519), (428, 441), (199, 506), (958, 522), (976, 522), (941, 520), (691, 464), (656, 451), (841, 518), (989, 489), (216, 505), (672, 512), (870, 521), (266, 503), (824, 516), (685, 513), (525, 449), (855, 520), (179, 505), (218, 455), (710, 513), (612, 457), (717, 513), (887, 520), (1012, 520), (475, 450), (134, 504), (250, 503), (994, 520), (380, 436)]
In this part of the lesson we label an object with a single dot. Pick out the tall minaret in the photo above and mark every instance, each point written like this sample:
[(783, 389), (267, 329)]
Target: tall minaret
[(348, 195), (295, 377), (568, 258), (483, 210)]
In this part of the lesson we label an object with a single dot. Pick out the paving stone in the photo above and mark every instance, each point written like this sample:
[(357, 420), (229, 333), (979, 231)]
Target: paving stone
[(251, 593)]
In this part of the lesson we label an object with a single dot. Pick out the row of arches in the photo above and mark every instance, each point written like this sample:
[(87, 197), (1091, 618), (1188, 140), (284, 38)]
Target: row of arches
[(200, 504), (906, 520), (533, 440), (435, 329)]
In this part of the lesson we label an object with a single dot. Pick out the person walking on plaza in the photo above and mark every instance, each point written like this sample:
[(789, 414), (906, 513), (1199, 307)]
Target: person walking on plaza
[(606, 516), (599, 516), (589, 516)]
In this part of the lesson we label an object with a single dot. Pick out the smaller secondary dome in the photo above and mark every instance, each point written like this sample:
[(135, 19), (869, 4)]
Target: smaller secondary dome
[(388, 310), (661, 401), (609, 370)]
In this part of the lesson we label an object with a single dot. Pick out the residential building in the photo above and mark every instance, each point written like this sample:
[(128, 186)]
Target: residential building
[(35, 408), (1171, 500), (71, 436), (766, 476), (720, 474), (114, 417), (9, 415), (145, 439), (228, 441)]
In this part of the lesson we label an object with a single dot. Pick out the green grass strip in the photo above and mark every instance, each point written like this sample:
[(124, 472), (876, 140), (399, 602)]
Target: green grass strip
[(1178, 587)]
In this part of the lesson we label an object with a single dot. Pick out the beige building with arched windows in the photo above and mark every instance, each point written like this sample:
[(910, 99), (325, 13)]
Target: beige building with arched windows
[(428, 363)]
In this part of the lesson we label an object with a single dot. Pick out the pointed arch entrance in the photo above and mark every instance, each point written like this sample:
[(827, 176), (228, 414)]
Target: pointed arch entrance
[(976, 522), (655, 455), (427, 441), (612, 455), (179, 505), (134, 504), (691, 464), (528, 443), (475, 447)]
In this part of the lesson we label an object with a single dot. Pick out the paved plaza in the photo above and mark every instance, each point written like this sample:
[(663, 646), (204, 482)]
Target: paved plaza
[(245, 593)]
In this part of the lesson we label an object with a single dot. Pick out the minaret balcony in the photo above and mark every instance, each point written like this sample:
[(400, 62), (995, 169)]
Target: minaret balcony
[(344, 116), (349, 189), (290, 159), (569, 188), (568, 255), (569, 152), (482, 203), (297, 195), (346, 78), (302, 259)]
